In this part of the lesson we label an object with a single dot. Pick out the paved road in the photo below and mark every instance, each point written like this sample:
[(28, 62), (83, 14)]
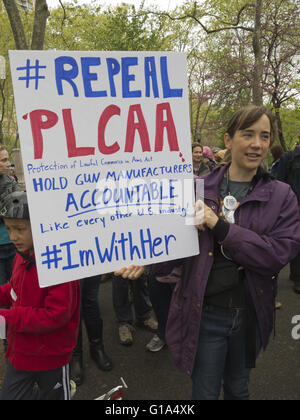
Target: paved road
[(154, 377)]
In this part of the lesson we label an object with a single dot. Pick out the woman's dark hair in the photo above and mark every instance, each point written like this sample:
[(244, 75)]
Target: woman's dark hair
[(277, 152), (248, 116), (194, 145)]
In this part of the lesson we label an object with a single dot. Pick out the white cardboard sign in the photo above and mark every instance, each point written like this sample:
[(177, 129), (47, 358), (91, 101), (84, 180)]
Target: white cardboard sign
[(105, 140)]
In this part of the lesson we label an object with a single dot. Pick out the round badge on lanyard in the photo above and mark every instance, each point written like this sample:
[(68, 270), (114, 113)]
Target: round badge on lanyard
[(229, 215), (230, 205)]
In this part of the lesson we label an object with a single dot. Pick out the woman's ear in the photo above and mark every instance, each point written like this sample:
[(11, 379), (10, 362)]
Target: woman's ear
[(227, 141)]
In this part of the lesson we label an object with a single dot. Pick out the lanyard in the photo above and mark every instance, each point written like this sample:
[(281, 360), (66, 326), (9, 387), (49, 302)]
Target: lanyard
[(230, 203)]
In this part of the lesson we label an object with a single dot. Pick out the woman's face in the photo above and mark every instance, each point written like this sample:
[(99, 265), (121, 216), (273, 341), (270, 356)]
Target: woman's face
[(4, 163), (249, 147), (197, 154)]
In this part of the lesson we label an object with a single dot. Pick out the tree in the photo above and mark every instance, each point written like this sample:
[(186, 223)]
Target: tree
[(281, 41), (7, 116), (19, 28), (235, 32), (16, 24), (257, 50), (218, 16), (122, 28), (39, 26)]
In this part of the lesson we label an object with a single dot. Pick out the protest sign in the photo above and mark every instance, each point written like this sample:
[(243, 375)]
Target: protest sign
[(105, 140)]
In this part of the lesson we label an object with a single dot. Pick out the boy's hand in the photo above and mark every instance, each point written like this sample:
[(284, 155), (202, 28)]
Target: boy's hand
[(133, 272)]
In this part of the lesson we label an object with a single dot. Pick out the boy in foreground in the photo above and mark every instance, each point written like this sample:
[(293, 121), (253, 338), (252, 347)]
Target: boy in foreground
[(42, 323)]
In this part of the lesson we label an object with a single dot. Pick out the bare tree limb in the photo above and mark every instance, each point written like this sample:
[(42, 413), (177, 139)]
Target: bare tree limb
[(228, 26), (65, 15), (238, 19), (63, 22)]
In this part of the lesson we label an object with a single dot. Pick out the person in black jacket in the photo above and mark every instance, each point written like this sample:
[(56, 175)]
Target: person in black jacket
[(7, 250), (288, 171), (90, 314), (276, 151)]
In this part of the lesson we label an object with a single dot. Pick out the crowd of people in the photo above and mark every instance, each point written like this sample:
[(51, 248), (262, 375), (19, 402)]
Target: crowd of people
[(214, 311)]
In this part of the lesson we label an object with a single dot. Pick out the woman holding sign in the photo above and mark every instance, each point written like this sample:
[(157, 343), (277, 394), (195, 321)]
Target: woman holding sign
[(222, 311)]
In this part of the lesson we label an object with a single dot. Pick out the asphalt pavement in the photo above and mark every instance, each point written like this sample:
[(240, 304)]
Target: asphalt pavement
[(153, 376)]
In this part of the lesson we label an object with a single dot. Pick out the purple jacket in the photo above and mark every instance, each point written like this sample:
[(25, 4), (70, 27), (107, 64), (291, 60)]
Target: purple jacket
[(264, 239)]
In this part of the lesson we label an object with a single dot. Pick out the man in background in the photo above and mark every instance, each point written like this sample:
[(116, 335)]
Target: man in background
[(288, 171)]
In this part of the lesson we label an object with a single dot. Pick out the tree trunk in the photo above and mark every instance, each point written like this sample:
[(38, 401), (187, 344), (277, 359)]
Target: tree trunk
[(191, 115), (197, 117), (279, 126), (40, 21), (1, 134), (2, 85), (258, 67), (39, 27), (16, 24)]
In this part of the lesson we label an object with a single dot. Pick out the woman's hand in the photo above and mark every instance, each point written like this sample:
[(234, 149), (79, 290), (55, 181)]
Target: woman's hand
[(205, 217), (134, 272)]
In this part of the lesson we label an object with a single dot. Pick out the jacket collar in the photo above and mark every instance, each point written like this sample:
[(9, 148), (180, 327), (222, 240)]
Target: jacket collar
[(212, 181), (28, 260)]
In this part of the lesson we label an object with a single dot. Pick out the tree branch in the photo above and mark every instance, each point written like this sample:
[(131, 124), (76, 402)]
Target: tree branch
[(193, 16), (239, 15), (63, 22)]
